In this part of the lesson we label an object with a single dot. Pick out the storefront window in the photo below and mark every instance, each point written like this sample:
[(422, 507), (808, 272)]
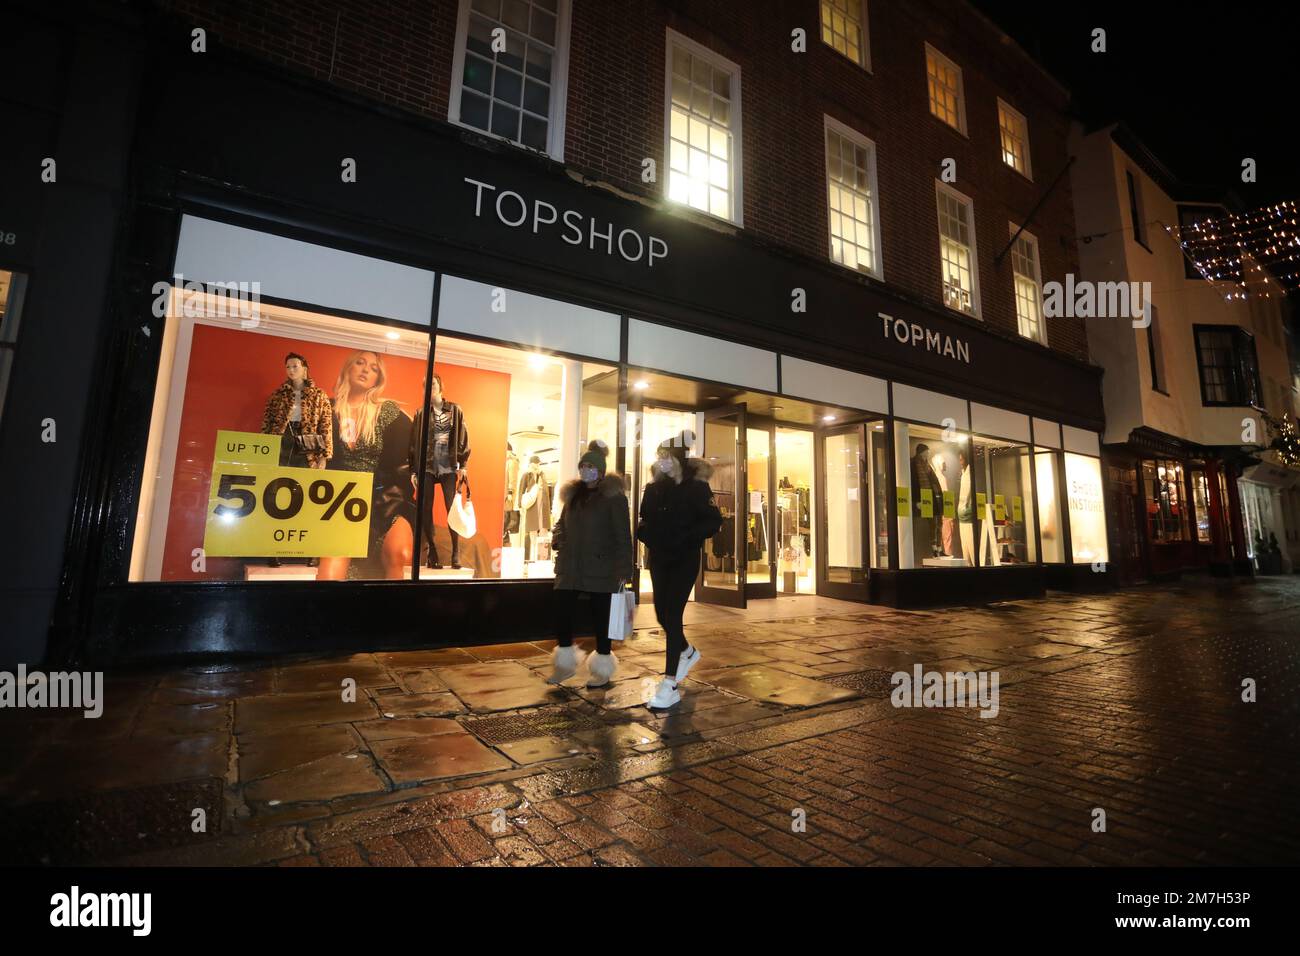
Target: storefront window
[(1004, 509), (1047, 474), (278, 446), (1201, 501), (1087, 509), (758, 544), (880, 483), (12, 285), (844, 481), (938, 498), (526, 418), (795, 508), (1162, 484)]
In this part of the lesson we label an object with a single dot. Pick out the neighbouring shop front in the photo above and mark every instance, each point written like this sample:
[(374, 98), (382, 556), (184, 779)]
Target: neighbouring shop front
[(863, 447)]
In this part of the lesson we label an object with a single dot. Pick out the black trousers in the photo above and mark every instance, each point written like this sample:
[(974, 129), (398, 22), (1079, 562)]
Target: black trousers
[(672, 582), (566, 610), (448, 485)]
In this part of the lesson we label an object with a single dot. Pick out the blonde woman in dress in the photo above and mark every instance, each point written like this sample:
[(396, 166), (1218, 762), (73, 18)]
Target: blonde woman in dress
[(371, 434)]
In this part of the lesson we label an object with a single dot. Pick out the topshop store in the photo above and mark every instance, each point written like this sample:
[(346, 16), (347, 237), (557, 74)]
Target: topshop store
[(269, 482)]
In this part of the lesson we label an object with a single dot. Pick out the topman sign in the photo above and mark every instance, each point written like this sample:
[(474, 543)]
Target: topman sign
[(577, 229)]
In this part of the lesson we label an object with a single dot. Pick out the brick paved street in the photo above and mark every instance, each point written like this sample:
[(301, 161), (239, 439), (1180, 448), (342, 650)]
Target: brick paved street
[(1129, 702)]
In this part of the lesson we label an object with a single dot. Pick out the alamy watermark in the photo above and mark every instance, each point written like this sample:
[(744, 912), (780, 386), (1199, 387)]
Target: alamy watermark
[(923, 688), (1099, 300), (75, 690)]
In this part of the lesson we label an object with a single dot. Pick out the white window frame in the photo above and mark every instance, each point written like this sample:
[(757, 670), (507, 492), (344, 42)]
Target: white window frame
[(735, 161), (942, 187), (1028, 171), (865, 62), (961, 89), (832, 125), (1038, 277), (559, 81)]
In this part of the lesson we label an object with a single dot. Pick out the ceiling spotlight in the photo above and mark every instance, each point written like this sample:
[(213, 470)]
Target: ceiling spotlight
[(828, 418), (392, 336), (642, 385)]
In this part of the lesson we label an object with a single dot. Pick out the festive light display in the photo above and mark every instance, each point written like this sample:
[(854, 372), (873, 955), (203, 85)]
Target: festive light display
[(1286, 438), (1258, 252)]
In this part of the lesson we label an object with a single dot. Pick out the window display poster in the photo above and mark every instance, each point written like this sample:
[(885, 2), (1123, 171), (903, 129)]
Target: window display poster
[(1087, 511), (949, 505), (230, 374), (927, 503), (904, 498)]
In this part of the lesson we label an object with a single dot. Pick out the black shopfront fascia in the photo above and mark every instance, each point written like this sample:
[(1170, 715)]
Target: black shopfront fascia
[(421, 197)]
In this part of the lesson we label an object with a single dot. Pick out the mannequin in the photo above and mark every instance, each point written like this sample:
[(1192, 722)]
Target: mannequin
[(444, 462), (534, 504), (927, 530), (511, 505), (940, 466), (300, 413), (965, 510)]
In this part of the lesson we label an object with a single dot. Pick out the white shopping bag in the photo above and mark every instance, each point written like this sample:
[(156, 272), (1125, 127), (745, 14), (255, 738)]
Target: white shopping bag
[(460, 516), (622, 609)]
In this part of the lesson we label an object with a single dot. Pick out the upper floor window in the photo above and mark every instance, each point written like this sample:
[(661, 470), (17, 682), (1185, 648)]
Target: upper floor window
[(1014, 131), (957, 260), (844, 28), (1225, 356), (1188, 218), (703, 129), (1135, 209), (947, 101), (1155, 351), (851, 196), (510, 70), (1028, 282)]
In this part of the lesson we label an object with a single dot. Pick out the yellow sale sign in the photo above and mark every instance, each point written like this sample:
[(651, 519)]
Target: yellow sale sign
[(256, 508)]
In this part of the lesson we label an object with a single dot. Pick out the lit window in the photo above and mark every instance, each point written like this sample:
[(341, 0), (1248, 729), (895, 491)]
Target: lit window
[(512, 87), (851, 195), (957, 251), (844, 28), (1015, 139), (946, 100), (1028, 286), (703, 129)]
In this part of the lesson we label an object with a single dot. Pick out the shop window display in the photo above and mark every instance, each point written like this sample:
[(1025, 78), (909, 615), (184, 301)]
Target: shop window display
[(526, 416), (1004, 507), (1201, 502), (937, 498), (1162, 484), (278, 447), (795, 507), (1047, 472), (1088, 542)]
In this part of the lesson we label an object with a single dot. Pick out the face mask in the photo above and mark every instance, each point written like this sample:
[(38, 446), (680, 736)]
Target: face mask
[(588, 475)]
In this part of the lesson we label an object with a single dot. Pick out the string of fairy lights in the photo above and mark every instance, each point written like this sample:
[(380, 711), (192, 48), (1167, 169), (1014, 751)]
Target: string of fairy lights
[(1258, 252)]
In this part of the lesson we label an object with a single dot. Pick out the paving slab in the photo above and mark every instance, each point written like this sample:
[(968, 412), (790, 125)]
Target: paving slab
[(271, 713), (766, 683), (409, 760)]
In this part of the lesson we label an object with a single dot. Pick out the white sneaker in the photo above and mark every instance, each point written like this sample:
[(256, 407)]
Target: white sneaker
[(689, 659), (666, 695), (566, 664), (600, 669)]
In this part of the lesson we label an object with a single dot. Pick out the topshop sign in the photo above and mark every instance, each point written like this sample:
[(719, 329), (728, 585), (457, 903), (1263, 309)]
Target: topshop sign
[(576, 228)]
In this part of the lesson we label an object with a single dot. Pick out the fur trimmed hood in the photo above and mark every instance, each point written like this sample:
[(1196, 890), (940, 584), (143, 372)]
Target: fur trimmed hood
[(608, 487), (696, 468)]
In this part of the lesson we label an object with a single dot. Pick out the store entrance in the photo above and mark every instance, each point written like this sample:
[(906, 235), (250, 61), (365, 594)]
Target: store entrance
[(766, 480)]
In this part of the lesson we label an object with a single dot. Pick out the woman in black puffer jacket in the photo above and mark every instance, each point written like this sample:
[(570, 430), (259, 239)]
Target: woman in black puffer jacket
[(593, 556), (677, 516)]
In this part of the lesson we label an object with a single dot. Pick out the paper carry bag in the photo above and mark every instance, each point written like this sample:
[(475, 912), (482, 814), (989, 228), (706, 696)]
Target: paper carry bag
[(622, 609), (460, 516)]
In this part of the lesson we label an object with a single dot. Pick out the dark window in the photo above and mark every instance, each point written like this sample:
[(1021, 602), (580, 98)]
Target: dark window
[(1155, 352), (1135, 210), (1229, 371), (12, 285)]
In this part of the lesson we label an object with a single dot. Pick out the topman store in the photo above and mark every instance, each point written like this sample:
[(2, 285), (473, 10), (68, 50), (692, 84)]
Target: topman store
[(863, 446)]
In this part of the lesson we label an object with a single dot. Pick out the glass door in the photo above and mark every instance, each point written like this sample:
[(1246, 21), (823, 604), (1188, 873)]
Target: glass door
[(844, 514), (723, 567), (760, 508)]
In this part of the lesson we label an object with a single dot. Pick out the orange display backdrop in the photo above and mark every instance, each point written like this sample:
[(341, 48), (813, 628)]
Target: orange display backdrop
[(230, 375)]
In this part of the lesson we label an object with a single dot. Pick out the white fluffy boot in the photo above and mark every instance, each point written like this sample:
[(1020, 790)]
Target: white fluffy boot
[(601, 669), (566, 662)]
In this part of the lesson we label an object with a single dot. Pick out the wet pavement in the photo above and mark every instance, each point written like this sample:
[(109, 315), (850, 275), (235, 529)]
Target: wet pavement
[(786, 748)]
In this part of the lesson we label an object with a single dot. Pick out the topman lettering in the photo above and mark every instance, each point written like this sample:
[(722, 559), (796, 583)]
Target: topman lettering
[(75, 690), (918, 336), (538, 216)]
